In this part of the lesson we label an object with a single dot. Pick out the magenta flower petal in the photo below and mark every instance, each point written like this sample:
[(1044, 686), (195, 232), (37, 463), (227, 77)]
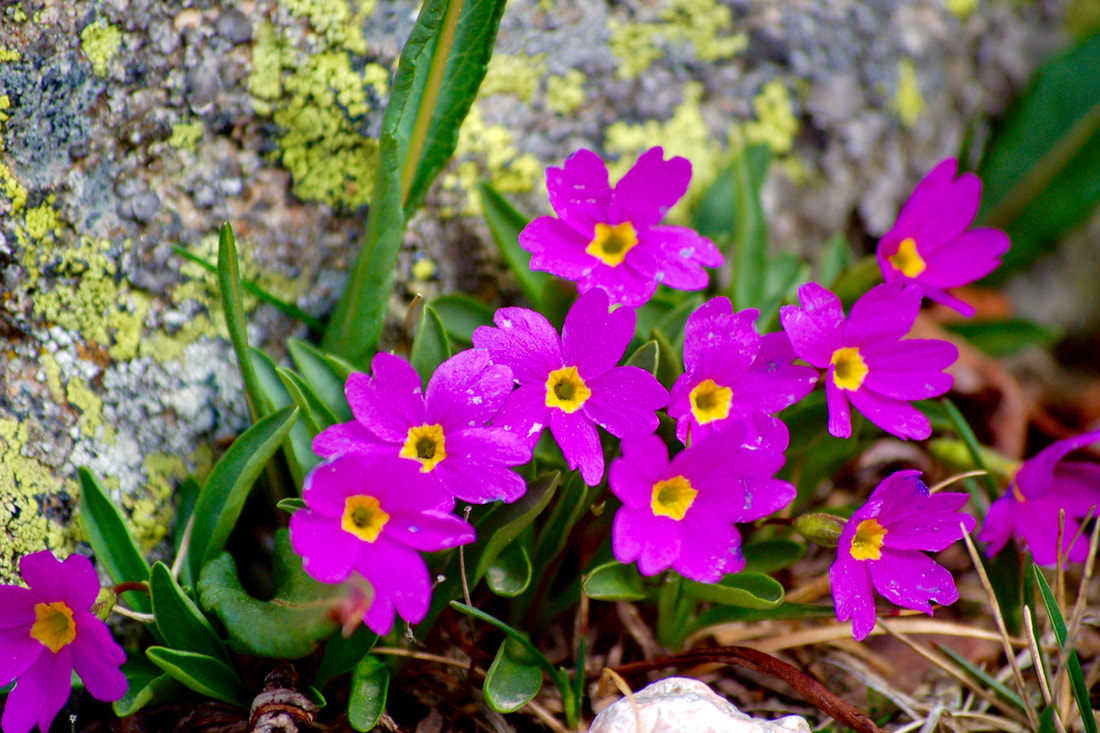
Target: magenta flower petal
[(719, 344), (18, 604), (595, 356), (815, 329), (399, 574), (557, 248), (328, 552), (72, 581), (430, 531), (477, 465), (524, 341), (525, 413), (999, 524), (387, 403), (97, 658), (941, 205), (466, 390), (579, 191), (617, 395), (39, 694), (347, 437), (1036, 476), (1079, 487), (628, 532), (840, 416), (884, 313), (681, 254), (708, 557), (632, 478), (853, 595), (650, 188), (18, 649), (1037, 526), (971, 256), (894, 416), (908, 370), (912, 580), (580, 444)]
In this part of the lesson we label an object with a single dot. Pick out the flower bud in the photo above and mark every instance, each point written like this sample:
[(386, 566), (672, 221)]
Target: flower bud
[(821, 529), (103, 604)]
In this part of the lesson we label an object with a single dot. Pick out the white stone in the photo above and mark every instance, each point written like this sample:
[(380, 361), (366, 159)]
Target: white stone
[(685, 705)]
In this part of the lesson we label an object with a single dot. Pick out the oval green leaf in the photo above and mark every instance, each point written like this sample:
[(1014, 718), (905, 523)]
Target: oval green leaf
[(614, 581), (370, 684), (745, 590), (146, 684), (513, 679), (461, 315), (510, 574), (205, 675), (343, 653), (645, 357)]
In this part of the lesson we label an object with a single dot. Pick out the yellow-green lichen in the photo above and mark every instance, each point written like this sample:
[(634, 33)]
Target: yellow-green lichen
[(53, 375), (11, 54), (1083, 17), (9, 186), (186, 135), (25, 487), (704, 24), (100, 43), (423, 269), (908, 100), (18, 14), (81, 396), (489, 148), (565, 94), (775, 124), (319, 101), (336, 20), (963, 9), (517, 74), (43, 223)]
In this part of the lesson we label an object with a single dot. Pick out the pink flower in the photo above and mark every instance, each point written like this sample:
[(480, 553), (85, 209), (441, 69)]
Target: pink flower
[(571, 384), (609, 238), (46, 631), (681, 513), (1044, 485), (866, 359), (929, 244), (883, 544), (374, 515)]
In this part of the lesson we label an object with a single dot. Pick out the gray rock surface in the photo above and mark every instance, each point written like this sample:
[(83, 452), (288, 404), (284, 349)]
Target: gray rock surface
[(127, 128), (686, 705)]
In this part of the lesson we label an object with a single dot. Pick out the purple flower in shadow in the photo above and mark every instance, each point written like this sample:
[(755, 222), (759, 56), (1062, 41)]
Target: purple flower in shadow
[(735, 375), (929, 244), (1044, 485), (444, 431), (882, 547), (374, 515), (571, 384), (46, 631), (609, 238), (866, 359), (681, 513)]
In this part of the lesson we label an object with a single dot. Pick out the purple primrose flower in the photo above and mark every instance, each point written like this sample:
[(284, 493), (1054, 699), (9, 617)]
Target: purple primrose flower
[(572, 383), (46, 631), (865, 358), (374, 515), (609, 238), (444, 430), (681, 513), (733, 374), (883, 546), (929, 244), (1044, 485)]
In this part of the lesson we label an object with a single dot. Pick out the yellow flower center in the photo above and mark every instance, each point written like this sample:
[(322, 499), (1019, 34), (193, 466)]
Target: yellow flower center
[(672, 498), (53, 625), (566, 390), (425, 444), (363, 517), (849, 369), (907, 259), (867, 544), (611, 243), (710, 401)]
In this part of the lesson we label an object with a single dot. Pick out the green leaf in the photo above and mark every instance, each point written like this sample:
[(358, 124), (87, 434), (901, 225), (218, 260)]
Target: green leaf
[(179, 620), (223, 496), (229, 282), (186, 496), (513, 679), (286, 308), (291, 504), (291, 624), (745, 590), (981, 675), (613, 581), (1073, 664), (835, 258), (786, 272), (315, 414), (510, 573), (507, 522), (343, 653), (962, 427), (1004, 338), (370, 684), (325, 375), (110, 538), (1046, 720), (146, 684), (669, 367), (750, 235), (1041, 170), (731, 614), (205, 675), (646, 357), (430, 346), (461, 314), (537, 657), (672, 323), (298, 444), (768, 556), (441, 68), (505, 223)]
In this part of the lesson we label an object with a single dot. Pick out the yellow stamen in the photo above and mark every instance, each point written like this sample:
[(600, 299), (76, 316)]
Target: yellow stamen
[(672, 498), (867, 544), (1017, 493), (425, 444), (907, 259), (53, 625), (710, 401), (566, 390), (611, 243), (363, 517), (849, 368)]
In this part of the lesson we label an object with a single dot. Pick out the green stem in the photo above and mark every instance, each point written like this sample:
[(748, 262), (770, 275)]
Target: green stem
[(431, 92)]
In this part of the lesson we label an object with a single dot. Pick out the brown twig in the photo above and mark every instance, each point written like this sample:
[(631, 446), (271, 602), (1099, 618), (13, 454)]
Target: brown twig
[(808, 688)]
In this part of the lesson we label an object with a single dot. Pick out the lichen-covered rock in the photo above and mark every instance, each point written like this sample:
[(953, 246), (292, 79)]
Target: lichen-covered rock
[(130, 127), (685, 705)]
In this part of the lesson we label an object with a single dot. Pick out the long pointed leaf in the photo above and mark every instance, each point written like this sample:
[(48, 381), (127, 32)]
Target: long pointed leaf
[(229, 281), (180, 621), (205, 675), (1073, 664), (110, 538), (505, 223)]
